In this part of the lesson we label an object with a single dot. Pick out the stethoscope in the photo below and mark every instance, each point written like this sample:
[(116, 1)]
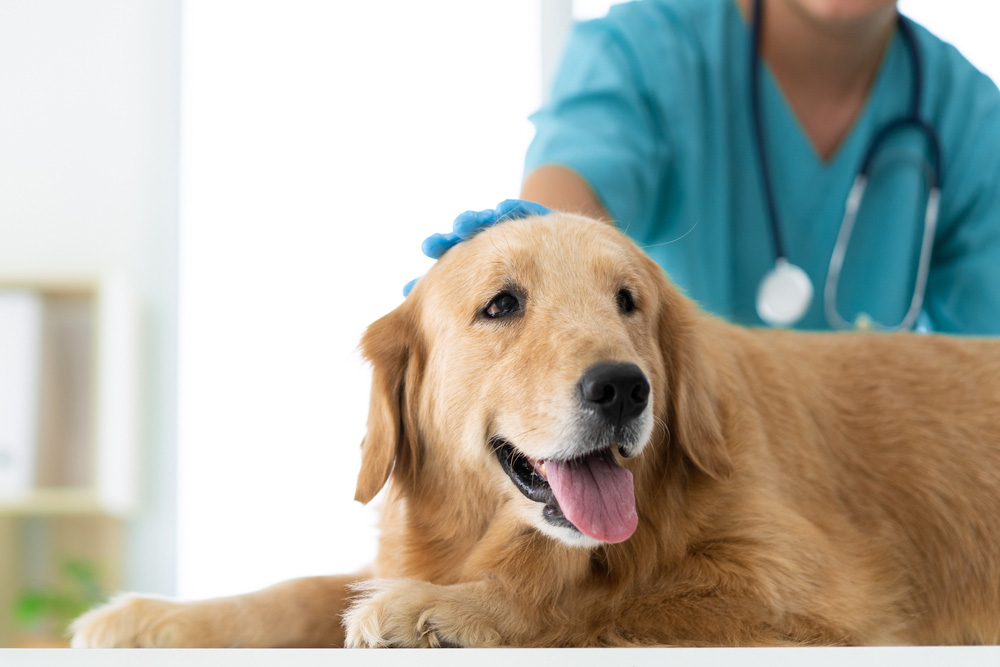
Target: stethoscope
[(786, 292)]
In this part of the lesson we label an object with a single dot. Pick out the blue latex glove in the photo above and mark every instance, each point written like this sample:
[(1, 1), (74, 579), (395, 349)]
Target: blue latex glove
[(470, 223)]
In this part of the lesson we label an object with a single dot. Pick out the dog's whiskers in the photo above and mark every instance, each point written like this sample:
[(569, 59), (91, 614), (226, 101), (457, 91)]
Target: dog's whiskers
[(679, 238), (497, 441)]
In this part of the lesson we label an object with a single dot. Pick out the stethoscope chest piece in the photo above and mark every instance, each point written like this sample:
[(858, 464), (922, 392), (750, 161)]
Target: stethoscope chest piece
[(784, 295)]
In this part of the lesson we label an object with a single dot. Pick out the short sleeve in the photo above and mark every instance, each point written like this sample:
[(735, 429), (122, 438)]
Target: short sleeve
[(602, 123), (963, 290)]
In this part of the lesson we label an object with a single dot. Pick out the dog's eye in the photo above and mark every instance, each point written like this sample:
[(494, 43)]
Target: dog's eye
[(625, 302), (503, 304)]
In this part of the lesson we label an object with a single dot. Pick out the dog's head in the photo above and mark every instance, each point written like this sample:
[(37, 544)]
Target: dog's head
[(537, 363)]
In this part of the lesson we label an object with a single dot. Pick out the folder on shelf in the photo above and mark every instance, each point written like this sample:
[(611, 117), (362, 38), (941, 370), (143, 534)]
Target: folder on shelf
[(20, 369)]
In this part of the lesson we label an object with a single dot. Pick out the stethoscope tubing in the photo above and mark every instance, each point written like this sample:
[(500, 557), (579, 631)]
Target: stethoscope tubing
[(911, 120), (777, 239), (909, 320)]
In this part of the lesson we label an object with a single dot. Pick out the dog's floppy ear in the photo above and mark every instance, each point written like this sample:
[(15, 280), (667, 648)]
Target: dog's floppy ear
[(694, 419), (392, 346)]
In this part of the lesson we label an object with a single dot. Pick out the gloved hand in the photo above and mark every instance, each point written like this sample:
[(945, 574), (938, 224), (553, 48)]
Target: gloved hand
[(470, 223)]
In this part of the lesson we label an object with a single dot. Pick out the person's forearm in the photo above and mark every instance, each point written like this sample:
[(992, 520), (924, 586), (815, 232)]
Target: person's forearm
[(562, 189)]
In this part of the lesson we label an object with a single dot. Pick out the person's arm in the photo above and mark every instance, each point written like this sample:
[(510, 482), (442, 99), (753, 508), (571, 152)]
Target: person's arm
[(562, 189), (601, 147)]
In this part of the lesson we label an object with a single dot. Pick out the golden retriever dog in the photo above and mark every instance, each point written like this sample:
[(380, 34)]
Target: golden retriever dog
[(571, 453)]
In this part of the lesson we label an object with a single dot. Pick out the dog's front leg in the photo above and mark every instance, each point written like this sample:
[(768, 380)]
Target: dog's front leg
[(296, 613)]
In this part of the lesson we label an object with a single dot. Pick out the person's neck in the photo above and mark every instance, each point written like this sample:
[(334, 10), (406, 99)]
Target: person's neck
[(825, 68)]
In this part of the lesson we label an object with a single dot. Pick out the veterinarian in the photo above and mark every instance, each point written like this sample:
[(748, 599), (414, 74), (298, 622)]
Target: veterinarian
[(731, 159)]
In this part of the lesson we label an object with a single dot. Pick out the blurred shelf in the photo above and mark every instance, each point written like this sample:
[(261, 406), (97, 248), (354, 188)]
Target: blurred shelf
[(85, 456), (59, 501), (81, 479)]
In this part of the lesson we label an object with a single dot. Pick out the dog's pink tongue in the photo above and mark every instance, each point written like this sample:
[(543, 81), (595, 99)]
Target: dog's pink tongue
[(596, 495)]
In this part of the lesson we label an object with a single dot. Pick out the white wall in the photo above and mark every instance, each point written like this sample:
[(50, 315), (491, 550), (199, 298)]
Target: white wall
[(322, 142), (88, 184)]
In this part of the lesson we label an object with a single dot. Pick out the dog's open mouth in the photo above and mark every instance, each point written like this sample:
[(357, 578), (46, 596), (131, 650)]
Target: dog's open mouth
[(592, 494)]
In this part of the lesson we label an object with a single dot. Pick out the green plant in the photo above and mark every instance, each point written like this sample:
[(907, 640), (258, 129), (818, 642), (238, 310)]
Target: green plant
[(50, 610)]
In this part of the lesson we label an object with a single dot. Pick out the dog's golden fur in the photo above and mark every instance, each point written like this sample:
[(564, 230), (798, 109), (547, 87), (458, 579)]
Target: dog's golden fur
[(795, 489)]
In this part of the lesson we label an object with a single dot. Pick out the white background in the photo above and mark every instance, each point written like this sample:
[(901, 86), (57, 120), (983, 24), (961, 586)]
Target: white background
[(321, 142)]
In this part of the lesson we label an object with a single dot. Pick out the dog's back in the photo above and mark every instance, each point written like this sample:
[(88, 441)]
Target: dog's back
[(893, 442)]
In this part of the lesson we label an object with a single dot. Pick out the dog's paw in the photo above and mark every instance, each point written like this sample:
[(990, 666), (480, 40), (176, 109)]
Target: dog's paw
[(134, 621), (415, 614)]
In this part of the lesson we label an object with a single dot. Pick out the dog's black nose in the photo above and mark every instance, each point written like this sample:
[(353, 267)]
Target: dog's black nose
[(617, 391)]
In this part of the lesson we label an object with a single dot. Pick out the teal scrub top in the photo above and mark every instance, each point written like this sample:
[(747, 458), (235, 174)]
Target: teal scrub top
[(651, 107)]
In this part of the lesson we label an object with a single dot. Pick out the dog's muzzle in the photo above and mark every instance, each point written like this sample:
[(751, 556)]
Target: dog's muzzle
[(589, 491)]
